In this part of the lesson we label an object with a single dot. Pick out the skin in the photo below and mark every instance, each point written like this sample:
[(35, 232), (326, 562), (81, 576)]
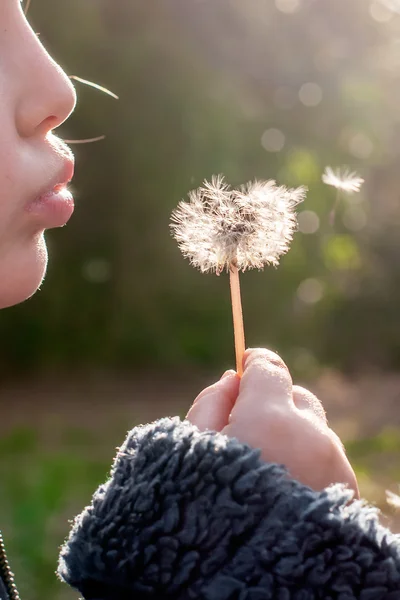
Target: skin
[(36, 97), (286, 422), (263, 409)]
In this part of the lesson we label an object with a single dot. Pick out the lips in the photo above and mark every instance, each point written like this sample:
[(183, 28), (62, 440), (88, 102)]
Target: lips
[(54, 205)]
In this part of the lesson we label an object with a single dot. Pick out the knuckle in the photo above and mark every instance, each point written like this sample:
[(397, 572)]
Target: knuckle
[(306, 400)]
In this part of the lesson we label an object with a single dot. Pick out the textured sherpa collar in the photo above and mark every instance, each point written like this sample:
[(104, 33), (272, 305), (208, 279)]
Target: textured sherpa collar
[(188, 515)]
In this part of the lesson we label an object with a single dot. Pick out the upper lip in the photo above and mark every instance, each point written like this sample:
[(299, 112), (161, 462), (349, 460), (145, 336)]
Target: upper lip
[(61, 179), (64, 176)]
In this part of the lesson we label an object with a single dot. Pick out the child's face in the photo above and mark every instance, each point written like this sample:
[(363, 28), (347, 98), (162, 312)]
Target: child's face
[(35, 97)]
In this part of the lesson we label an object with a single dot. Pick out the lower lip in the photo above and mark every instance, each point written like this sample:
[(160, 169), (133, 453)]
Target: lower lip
[(54, 209)]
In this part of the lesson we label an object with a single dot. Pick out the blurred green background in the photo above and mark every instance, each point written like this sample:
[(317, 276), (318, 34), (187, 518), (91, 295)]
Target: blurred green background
[(124, 330)]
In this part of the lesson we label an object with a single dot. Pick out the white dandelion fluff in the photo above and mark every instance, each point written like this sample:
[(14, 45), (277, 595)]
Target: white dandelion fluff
[(224, 228), (343, 179), (393, 499), (250, 227)]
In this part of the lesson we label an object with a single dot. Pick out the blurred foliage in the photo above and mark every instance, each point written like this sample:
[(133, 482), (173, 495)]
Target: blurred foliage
[(251, 89), (39, 491), (377, 457)]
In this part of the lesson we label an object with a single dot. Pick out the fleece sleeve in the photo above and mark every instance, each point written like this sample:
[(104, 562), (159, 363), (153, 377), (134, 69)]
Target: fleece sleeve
[(190, 515)]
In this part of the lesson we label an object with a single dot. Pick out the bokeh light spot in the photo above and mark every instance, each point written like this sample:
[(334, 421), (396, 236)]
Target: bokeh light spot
[(341, 252), (310, 291), (96, 270), (308, 221), (273, 140), (302, 167), (354, 218), (310, 94), (361, 146)]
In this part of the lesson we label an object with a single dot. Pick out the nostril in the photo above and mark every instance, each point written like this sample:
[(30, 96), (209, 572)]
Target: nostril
[(47, 125)]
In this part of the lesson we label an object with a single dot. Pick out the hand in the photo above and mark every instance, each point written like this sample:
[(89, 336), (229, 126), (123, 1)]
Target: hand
[(286, 422)]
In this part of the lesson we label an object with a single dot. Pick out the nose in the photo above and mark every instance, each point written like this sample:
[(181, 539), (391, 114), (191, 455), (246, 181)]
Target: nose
[(46, 95)]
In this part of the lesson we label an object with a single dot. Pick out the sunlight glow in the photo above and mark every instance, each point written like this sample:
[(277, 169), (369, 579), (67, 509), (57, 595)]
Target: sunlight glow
[(393, 5), (287, 6)]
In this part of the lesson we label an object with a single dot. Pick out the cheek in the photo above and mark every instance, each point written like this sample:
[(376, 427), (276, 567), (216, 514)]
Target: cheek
[(11, 188), (22, 268), (23, 254)]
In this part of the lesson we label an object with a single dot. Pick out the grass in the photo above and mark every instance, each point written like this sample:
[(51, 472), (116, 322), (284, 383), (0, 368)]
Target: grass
[(40, 492), (376, 461)]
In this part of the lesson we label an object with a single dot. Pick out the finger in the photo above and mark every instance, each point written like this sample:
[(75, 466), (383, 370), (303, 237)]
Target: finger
[(212, 407), (272, 357), (305, 400), (266, 379), (343, 472)]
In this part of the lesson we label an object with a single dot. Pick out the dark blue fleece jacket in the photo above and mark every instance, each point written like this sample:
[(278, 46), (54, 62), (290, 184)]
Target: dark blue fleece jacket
[(188, 515)]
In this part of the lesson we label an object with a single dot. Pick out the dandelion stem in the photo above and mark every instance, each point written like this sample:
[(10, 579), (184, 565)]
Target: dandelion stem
[(332, 215), (237, 318)]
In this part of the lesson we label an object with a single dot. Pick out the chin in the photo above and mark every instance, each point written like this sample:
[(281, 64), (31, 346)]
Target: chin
[(22, 273)]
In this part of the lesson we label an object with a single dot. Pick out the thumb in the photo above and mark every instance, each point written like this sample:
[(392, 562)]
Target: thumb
[(266, 382), (212, 407)]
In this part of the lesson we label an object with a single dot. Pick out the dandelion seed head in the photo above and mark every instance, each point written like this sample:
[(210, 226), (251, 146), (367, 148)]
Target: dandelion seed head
[(342, 179), (250, 227)]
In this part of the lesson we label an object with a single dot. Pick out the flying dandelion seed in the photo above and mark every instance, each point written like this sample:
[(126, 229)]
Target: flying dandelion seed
[(96, 86), (221, 228), (344, 181), (99, 138), (101, 88)]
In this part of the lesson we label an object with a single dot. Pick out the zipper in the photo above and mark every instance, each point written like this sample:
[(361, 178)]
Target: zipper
[(6, 573)]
